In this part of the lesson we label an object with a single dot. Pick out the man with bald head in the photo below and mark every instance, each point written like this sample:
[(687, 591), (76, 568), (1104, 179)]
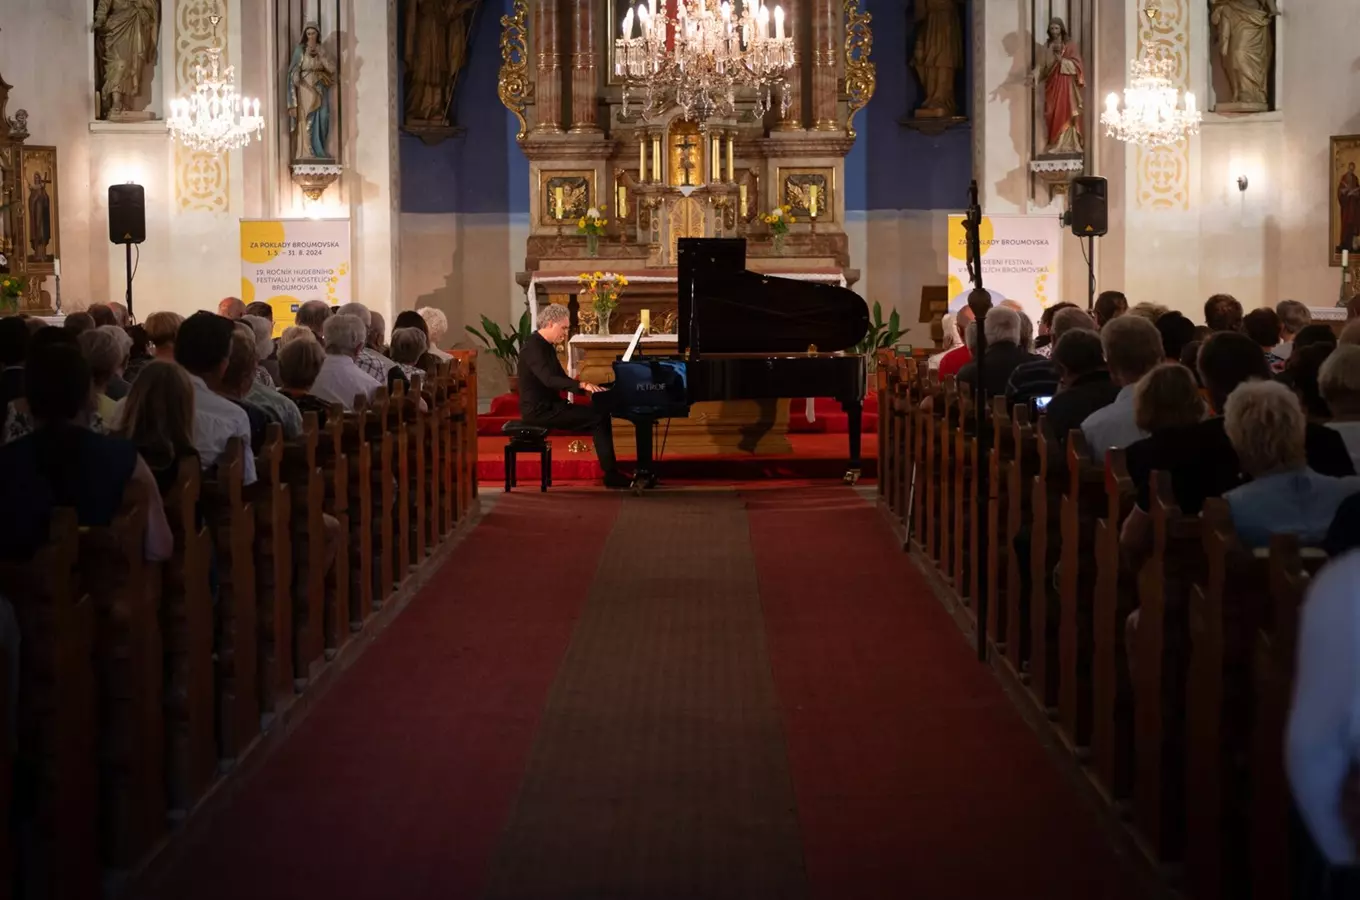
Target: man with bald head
[(231, 308)]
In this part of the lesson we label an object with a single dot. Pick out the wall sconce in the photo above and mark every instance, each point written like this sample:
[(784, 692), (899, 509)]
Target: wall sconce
[(1242, 183)]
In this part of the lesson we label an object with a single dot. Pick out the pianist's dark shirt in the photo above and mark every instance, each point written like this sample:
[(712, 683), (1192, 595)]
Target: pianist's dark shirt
[(541, 378)]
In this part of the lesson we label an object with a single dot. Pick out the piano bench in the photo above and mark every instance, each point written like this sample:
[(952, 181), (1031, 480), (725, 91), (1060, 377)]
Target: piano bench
[(526, 439)]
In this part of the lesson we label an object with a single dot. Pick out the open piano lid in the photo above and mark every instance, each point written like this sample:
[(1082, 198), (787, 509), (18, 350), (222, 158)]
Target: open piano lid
[(725, 309)]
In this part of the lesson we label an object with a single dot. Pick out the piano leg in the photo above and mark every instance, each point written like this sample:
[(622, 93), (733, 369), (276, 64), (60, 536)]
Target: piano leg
[(854, 411)]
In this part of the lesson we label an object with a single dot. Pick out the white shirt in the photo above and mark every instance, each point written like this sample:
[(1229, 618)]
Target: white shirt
[(1323, 736), (216, 421), (1112, 426), (341, 380)]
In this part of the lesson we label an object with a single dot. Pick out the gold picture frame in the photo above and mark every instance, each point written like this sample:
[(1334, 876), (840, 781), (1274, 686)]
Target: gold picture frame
[(1343, 221), (792, 183), (40, 197), (578, 194)]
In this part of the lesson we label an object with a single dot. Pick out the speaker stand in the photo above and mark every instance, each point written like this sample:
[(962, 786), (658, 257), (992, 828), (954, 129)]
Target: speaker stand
[(128, 248), (1090, 274)]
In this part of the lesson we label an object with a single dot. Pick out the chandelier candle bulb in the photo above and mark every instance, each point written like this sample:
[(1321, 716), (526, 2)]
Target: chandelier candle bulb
[(779, 23)]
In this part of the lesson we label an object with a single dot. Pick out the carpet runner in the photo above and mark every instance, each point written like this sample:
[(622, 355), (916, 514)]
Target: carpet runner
[(715, 692)]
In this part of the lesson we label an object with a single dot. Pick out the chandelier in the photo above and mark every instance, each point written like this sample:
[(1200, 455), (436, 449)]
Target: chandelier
[(214, 118), (701, 58), (1153, 113)]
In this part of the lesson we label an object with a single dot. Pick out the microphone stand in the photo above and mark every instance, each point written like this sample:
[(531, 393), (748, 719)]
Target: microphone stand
[(979, 301)]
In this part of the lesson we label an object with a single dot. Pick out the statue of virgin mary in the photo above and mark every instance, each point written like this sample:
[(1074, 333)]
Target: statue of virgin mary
[(310, 76)]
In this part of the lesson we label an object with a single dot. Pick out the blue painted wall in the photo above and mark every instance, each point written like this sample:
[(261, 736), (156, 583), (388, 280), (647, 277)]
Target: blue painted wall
[(890, 167)]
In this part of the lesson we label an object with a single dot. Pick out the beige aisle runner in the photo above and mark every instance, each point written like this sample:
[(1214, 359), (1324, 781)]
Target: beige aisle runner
[(659, 769)]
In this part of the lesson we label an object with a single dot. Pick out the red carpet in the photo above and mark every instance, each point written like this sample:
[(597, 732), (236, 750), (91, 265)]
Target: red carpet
[(914, 775)]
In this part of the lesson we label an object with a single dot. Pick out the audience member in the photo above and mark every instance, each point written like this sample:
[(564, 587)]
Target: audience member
[(202, 347), (409, 346), (1263, 327), (1133, 347), (1267, 427), (377, 333), (437, 326), (1085, 385), (105, 350), (951, 336), (1005, 350), (1044, 340), (161, 328), (1339, 383), (122, 316), (261, 309), (13, 352), (341, 379), (1176, 331), (1041, 377), (1026, 324), (231, 308), (63, 463), (1222, 312), (1301, 376), (300, 362), (139, 354), (18, 421), (1313, 334), (78, 323), (313, 315), (1168, 397), (1110, 305), (1151, 312), (239, 378), (158, 417), (954, 360), (297, 333), (1190, 359), (1350, 334), (262, 331), (377, 366), (102, 315), (264, 395), (1294, 317)]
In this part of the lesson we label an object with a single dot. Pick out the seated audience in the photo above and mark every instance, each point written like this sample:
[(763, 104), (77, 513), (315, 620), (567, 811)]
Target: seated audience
[(1294, 317), (231, 308), (262, 331), (18, 421), (409, 346), (1041, 377), (1133, 348), (261, 309), (1026, 324), (106, 351), (238, 379), (13, 352), (78, 323), (1339, 383), (1005, 350), (161, 328), (297, 333), (1110, 305), (1176, 331), (63, 463), (1301, 376), (1222, 312), (313, 315), (275, 405), (1149, 311), (377, 366), (203, 348), (121, 316), (300, 362), (138, 355), (1085, 384), (437, 325), (1263, 327), (341, 379), (954, 360), (102, 314), (1267, 427), (1190, 358), (377, 333), (1044, 340), (952, 338), (1350, 334), (158, 417)]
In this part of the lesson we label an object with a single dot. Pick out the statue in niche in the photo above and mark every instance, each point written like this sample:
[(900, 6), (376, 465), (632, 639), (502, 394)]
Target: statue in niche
[(1246, 47), (435, 52), (126, 35), (1063, 75), (938, 56), (311, 73)]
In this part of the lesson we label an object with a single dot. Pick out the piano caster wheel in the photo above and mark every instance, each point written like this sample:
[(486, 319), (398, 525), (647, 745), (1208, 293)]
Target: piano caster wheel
[(851, 476)]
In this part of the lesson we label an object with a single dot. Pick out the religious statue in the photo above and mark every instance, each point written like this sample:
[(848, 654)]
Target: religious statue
[(1064, 76), (1348, 199), (435, 52), (938, 56), (39, 219), (126, 35), (310, 76), (1246, 47)]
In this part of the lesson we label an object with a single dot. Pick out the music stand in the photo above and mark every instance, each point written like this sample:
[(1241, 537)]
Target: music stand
[(633, 344)]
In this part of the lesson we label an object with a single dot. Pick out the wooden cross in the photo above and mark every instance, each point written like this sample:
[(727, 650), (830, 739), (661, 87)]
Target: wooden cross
[(686, 157)]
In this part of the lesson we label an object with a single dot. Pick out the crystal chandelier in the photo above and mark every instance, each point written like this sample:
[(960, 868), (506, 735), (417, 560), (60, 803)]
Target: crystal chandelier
[(701, 58), (214, 118), (1153, 111)]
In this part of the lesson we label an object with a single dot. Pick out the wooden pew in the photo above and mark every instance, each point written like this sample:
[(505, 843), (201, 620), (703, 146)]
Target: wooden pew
[(1043, 622), (401, 514), (884, 382), (384, 491), (944, 477), (306, 481), (1116, 595), (456, 421), (904, 444), (273, 587), (362, 510), (1020, 475), (964, 498), (334, 465), (999, 459), (434, 392), (467, 430), (187, 626), (1081, 504)]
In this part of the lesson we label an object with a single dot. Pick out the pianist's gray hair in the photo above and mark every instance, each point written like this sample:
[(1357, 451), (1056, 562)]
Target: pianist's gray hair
[(552, 314), (1002, 324), (345, 335)]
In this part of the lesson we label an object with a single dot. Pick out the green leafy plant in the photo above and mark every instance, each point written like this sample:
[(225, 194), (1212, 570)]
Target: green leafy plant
[(881, 336), (504, 345)]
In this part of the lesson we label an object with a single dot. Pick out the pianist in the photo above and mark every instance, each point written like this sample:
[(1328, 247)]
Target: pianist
[(541, 383)]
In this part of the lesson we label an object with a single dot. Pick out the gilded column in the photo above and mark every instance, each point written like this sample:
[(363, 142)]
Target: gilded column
[(583, 68), (793, 119), (548, 80), (824, 66)]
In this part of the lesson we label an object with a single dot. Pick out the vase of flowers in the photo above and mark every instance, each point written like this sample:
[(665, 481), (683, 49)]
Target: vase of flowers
[(778, 220), (592, 225), (11, 289), (603, 289)]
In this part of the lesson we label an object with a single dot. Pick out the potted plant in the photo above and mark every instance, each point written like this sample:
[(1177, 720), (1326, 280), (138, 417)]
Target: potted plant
[(778, 220), (11, 289), (592, 226), (504, 345), (881, 336), (604, 289)]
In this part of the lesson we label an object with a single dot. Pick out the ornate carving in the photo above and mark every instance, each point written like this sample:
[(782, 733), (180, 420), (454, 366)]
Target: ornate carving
[(202, 180), (514, 86), (860, 76), (1164, 172), (126, 35)]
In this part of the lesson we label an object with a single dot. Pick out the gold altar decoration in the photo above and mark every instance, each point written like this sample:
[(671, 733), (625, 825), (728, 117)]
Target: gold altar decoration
[(565, 196), (808, 192), (860, 73), (684, 144), (513, 86), (20, 166)]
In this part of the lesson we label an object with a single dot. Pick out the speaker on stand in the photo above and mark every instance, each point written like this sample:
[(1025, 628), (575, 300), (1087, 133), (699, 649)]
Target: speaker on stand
[(127, 223), (1088, 215)]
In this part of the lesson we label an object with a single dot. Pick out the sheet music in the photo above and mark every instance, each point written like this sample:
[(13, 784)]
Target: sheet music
[(633, 344)]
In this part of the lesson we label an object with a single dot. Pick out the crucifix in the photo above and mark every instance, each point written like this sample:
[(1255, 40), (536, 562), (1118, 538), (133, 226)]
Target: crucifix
[(687, 147)]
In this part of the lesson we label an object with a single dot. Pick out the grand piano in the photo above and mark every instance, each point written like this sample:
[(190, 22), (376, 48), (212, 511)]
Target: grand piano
[(745, 336)]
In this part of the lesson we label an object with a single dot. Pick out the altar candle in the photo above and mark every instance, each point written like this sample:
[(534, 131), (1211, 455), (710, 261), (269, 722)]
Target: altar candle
[(1345, 258), (812, 201), (779, 23), (714, 160), (646, 321), (729, 158), (56, 267), (628, 24), (656, 158), (742, 191), (623, 201), (558, 193), (642, 159)]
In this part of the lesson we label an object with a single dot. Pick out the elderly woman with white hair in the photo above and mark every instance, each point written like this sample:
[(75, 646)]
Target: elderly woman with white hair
[(341, 380), (106, 351), (1266, 424), (952, 339), (438, 325), (262, 331)]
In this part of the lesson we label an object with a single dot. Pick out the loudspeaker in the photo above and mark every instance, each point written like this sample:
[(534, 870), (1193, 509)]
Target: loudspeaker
[(1090, 210), (127, 214)]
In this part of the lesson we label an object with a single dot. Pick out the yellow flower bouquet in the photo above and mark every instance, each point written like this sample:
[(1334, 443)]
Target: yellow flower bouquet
[(592, 225), (11, 289), (603, 288), (778, 220)]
